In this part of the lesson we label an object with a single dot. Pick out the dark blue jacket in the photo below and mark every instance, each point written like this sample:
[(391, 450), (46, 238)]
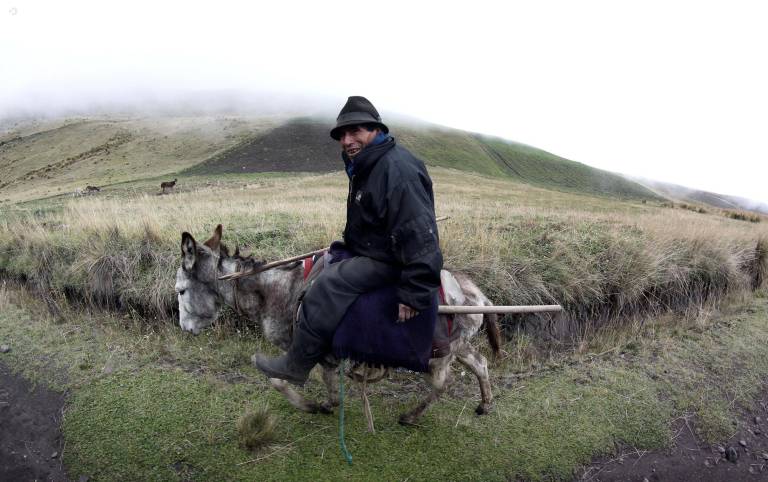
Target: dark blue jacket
[(391, 218)]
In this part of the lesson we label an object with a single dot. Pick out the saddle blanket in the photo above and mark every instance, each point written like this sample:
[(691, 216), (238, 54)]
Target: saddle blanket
[(369, 332)]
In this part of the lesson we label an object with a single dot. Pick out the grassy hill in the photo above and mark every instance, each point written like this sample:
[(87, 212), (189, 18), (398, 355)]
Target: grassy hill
[(304, 145), (686, 194), (298, 145), (43, 159), (542, 168)]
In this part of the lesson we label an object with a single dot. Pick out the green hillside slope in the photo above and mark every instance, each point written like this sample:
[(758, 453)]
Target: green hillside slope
[(542, 168), (304, 145), (59, 158), (449, 148), (498, 157)]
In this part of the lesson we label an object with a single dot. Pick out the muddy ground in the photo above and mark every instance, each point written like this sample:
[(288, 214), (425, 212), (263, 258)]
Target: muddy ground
[(31, 443), (742, 457)]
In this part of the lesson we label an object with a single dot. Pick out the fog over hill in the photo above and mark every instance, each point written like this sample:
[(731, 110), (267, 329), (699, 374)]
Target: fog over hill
[(168, 102), (690, 195)]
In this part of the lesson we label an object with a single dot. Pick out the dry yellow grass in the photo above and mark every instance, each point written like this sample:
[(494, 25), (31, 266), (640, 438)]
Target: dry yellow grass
[(475, 204), (603, 259)]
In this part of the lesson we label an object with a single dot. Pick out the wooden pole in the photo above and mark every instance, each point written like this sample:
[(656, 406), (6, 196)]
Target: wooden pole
[(275, 264), (463, 310)]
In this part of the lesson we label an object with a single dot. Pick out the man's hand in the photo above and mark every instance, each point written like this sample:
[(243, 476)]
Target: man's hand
[(405, 312)]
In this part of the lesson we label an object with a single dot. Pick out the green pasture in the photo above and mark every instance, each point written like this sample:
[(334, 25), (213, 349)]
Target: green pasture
[(150, 403)]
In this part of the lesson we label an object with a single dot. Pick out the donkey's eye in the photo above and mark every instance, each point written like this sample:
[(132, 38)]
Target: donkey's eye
[(181, 292)]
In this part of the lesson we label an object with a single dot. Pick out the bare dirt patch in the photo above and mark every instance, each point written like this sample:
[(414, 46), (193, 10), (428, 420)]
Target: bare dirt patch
[(31, 443), (743, 456), (301, 145)]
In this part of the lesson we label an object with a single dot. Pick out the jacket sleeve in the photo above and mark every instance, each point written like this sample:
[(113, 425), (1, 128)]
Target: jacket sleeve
[(415, 244)]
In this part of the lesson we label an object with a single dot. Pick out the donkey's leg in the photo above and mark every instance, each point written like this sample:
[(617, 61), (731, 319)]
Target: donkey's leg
[(295, 399), (477, 364), (439, 371), (331, 380)]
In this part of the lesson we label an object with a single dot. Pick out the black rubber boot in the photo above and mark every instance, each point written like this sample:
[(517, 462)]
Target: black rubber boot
[(305, 352)]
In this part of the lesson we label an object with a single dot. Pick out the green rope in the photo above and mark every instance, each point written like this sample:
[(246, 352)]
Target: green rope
[(343, 444)]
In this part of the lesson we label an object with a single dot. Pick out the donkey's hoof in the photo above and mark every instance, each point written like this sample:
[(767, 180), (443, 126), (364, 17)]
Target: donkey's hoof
[(483, 409), (314, 407), (407, 420), (326, 408)]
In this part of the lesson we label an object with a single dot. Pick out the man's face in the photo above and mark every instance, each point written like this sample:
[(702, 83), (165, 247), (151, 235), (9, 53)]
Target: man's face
[(354, 138)]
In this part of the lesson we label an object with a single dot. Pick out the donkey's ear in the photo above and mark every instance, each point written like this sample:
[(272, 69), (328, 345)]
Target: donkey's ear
[(213, 243), (188, 251)]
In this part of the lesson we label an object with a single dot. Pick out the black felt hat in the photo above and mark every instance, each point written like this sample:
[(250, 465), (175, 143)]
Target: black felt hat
[(358, 110)]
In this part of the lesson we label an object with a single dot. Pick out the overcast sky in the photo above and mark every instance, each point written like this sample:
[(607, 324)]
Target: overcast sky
[(671, 90)]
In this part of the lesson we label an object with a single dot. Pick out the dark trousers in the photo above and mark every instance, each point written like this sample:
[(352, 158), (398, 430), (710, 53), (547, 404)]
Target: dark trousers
[(334, 291)]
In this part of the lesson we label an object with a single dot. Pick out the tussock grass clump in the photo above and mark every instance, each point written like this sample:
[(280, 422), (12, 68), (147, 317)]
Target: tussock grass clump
[(256, 429), (694, 208), (107, 266), (602, 273), (5, 298), (757, 268), (605, 261), (743, 216)]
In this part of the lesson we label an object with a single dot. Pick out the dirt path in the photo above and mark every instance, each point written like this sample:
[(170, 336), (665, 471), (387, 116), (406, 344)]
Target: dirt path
[(744, 456), (31, 444)]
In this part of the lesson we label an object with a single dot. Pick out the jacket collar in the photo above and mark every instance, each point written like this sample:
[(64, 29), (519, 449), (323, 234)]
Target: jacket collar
[(364, 161)]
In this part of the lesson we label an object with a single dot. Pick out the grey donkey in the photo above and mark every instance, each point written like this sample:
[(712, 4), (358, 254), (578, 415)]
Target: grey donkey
[(271, 299)]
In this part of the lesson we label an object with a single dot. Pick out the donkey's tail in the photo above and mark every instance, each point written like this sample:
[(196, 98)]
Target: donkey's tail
[(490, 320)]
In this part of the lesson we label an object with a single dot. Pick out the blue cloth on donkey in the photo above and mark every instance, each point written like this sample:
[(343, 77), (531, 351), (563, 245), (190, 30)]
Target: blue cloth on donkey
[(369, 331)]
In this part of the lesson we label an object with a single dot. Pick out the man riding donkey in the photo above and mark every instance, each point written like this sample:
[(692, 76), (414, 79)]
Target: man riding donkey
[(390, 236)]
